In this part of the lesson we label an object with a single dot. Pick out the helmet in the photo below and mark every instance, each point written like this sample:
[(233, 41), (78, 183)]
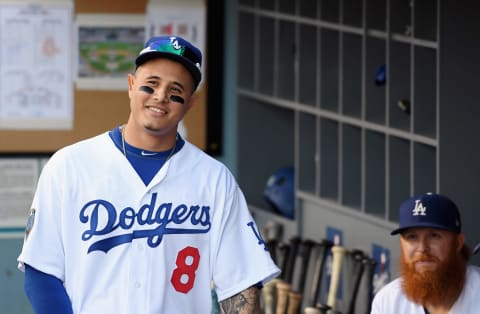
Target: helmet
[(279, 192)]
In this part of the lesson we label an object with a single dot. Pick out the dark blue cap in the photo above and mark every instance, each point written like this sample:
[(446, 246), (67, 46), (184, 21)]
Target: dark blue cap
[(429, 210), (174, 48)]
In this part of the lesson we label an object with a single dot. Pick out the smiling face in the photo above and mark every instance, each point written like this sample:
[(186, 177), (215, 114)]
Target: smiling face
[(160, 94)]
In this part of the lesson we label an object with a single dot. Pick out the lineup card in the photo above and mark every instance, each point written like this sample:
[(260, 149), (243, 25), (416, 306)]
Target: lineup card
[(36, 86)]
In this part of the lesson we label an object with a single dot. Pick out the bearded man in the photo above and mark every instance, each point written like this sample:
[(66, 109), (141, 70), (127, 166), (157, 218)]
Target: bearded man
[(435, 275)]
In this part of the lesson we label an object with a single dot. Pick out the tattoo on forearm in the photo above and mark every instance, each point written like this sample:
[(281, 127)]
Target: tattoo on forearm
[(246, 302)]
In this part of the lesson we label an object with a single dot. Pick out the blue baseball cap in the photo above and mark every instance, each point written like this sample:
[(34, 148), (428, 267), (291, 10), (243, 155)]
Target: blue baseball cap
[(431, 211), (174, 48)]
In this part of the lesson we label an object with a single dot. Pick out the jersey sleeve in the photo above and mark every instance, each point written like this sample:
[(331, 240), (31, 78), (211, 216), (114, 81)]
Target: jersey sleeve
[(376, 308), (384, 297), (42, 248), (242, 259)]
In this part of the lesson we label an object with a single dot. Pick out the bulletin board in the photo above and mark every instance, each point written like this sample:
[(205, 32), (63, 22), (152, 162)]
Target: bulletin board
[(97, 111)]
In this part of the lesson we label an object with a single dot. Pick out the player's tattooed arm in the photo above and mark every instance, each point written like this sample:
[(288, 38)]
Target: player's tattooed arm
[(246, 302)]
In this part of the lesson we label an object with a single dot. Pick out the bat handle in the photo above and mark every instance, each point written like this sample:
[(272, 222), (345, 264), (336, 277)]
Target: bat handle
[(294, 299), (268, 293), (282, 296), (338, 252)]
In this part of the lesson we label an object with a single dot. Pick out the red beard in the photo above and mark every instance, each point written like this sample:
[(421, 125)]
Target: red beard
[(444, 284)]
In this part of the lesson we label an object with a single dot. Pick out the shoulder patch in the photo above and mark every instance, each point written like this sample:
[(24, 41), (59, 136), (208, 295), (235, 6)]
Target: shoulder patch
[(30, 222)]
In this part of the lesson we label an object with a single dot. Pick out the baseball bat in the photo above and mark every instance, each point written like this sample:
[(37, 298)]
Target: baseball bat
[(317, 309), (273, 230), (284, 249), (283, 287), (269, 291), (370, 266), (359, 265), (298, 278), (338, 253), (318, 270), (292, 257), (272, 249), (294, 300), (312, 310), (273, 233), (269, 296)]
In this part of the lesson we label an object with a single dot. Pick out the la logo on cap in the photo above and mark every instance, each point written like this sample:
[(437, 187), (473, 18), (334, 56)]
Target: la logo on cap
[(175, 43), (419, 209)]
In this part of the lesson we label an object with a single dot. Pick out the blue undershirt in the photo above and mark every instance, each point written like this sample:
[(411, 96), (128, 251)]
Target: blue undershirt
[(46, 293), (146, 163)]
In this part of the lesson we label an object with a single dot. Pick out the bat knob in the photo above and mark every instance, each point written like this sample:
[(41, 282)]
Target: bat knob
[(311, 310)]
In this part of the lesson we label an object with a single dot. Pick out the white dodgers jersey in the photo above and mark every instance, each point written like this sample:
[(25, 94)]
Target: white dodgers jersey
[(122, 247)]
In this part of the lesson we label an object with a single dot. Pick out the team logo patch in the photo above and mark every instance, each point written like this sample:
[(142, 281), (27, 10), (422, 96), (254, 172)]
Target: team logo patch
[(419, 209), (30, 222)]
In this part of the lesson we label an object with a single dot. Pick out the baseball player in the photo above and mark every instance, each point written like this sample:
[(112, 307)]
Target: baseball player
[(137, 219), (435, 275)]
